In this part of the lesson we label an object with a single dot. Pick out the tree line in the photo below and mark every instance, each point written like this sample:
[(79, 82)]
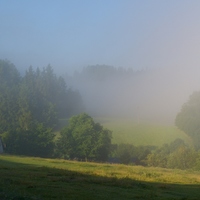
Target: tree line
[(176, 155), (106, 72)]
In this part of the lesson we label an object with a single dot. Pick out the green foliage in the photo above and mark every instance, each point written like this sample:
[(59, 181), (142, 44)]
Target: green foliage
[(39, 96), (84, 139), (37, 141), (9, 84), (44, 97), (9, 75), (197, 163), (175, 155), (130, 154), (188, 119), (125, 152), (30, 107), (159, 158), (182, 158)]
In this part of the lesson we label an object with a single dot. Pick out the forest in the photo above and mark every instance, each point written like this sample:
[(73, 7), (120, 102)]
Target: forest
[(33, 105)]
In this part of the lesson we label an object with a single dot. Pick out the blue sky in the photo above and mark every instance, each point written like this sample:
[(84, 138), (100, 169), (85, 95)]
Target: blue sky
[(71, 34)]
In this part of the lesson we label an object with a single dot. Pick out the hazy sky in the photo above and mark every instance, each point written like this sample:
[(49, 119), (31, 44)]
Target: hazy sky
[(70, 34)]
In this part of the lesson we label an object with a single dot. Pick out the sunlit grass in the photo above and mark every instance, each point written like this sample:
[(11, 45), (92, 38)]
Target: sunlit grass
[(37, 178), (111, 170)]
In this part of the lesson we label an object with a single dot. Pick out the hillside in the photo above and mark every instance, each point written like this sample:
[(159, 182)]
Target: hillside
[(37, 178)]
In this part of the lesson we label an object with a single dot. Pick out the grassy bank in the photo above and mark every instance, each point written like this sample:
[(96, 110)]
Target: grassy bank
[(36, 178)]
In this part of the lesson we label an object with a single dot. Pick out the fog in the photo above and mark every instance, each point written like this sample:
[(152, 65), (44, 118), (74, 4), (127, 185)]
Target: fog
[(160, 39), (151, 95)]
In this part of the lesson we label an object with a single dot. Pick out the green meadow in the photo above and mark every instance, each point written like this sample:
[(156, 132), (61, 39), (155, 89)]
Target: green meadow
[(128, 131), (36, 178)]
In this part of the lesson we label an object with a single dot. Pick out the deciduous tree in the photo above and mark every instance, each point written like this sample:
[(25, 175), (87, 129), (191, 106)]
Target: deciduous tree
[(188, 119), (84, 139)]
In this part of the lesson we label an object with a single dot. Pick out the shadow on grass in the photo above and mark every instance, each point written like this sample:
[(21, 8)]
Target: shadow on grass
[(23, 182)]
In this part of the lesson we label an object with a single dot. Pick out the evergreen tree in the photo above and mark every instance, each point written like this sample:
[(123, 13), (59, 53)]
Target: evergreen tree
[(37, 141), (9, 83), (30, 107)]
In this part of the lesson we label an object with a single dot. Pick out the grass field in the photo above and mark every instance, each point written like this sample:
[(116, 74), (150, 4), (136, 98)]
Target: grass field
[(127, 131), (36, 178)]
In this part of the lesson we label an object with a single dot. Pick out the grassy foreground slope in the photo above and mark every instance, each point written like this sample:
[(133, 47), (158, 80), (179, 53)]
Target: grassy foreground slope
[(128, 131), (37, 178)]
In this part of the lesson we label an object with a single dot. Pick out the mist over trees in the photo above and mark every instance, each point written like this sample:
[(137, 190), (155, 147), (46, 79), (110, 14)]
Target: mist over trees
[(9, 92), (149, 95), (30, 107), (107, 90), (37, 97)]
